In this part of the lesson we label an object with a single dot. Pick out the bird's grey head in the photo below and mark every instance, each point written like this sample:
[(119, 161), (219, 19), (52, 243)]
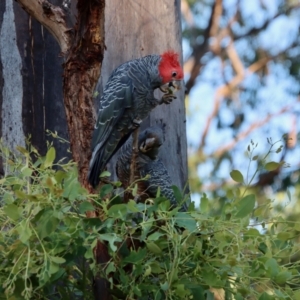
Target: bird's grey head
[(150, 141)]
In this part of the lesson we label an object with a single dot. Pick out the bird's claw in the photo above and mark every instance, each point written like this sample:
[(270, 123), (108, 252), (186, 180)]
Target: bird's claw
[(168, 98), (136, 123)]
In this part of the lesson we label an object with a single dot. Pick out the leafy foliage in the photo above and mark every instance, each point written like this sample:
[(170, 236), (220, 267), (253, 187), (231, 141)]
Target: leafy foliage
[(47, 242)]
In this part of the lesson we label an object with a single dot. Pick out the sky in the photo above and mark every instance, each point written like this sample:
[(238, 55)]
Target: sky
[(276, 91)]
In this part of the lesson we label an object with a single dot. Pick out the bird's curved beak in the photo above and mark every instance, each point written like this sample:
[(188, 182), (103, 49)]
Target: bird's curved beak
[(148, 144), (171, 87)]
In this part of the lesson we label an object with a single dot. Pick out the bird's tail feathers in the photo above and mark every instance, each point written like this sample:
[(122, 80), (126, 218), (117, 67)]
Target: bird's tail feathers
[(96, 166)]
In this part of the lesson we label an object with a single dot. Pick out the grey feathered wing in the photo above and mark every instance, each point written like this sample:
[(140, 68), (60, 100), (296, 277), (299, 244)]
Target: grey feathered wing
[(110, 129)]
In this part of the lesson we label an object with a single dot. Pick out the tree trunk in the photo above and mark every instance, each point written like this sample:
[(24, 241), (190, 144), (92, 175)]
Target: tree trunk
[(31, 89), (31, 98), (135, 28)]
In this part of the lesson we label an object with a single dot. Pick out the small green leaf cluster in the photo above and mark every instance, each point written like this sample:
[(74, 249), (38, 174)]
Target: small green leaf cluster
[(44, 239), (182, 255), (156, 252)]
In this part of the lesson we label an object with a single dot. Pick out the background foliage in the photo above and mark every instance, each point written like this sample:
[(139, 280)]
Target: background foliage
[(46, 240), (242, 78)]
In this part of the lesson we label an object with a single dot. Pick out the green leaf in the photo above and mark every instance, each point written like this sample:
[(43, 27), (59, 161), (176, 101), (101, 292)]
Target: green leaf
[(105, 190), (118, 211), (53, 268), (237, 176), (12, 211), (105, 174), (210, 277), (147, 271), (271, 166), (180, 290), (297, 294), (134, 190), (132, 206), (135, 256), (253, 232), (86, 206), (110, 268), (282, 277), (272, 267), (111, 238), (50, 156), (164, 286), (153, 248), (210, 295), (245, 206), (177, 193), (183, 219), (265, 296), (57, 259), (26, 171), (24, 232), (284, 235), (156, 269), (155, 236), (146, 227), (204, 203)]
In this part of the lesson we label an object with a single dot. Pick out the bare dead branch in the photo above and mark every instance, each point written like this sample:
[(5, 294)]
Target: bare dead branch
[(187, 13), (235, 60), (51, 17), (200, 50), (292, 136), (242, 135), (224, 91), (194, 65), (256, 30)]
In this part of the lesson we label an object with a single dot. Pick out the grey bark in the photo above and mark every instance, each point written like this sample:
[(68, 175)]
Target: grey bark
[(30, 81)]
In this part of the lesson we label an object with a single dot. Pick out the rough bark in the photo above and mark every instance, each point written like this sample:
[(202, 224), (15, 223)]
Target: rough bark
[(30, 81), (81, 72)]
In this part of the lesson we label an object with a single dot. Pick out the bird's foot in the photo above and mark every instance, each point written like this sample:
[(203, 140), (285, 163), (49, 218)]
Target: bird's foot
[(136, 123), (168, 98)]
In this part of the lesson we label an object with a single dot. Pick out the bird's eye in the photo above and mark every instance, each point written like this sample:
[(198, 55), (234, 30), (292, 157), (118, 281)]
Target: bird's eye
[(174, 74)]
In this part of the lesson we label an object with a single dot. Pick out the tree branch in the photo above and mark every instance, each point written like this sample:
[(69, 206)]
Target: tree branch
[(193, 65), (187, 13), (51, 17), (224, 91), (81, 72), (242, 135), (200, 50)]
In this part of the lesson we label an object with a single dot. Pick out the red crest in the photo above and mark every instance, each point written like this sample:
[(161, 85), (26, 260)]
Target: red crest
[(170, 65)]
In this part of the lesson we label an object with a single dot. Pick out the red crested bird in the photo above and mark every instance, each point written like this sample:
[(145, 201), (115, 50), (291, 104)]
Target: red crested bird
[(127, 99)]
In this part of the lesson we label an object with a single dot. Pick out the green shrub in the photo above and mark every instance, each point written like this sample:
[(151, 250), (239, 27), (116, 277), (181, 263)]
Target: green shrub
[(47, 242)]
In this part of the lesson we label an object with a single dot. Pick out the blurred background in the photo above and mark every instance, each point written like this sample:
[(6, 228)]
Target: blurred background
[(242, 70)]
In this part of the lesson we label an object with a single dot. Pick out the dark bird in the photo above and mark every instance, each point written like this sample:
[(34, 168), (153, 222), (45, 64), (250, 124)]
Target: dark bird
[(147, 163), (127, 99)]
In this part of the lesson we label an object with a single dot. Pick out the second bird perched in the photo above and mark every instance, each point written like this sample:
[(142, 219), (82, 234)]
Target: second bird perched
[(127, 99), (148, 163)]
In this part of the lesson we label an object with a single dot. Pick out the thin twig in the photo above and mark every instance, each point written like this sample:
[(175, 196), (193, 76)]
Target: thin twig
[(134, 155)]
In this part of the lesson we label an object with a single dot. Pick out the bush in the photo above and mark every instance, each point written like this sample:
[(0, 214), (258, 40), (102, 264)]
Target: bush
[(47, 242)]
